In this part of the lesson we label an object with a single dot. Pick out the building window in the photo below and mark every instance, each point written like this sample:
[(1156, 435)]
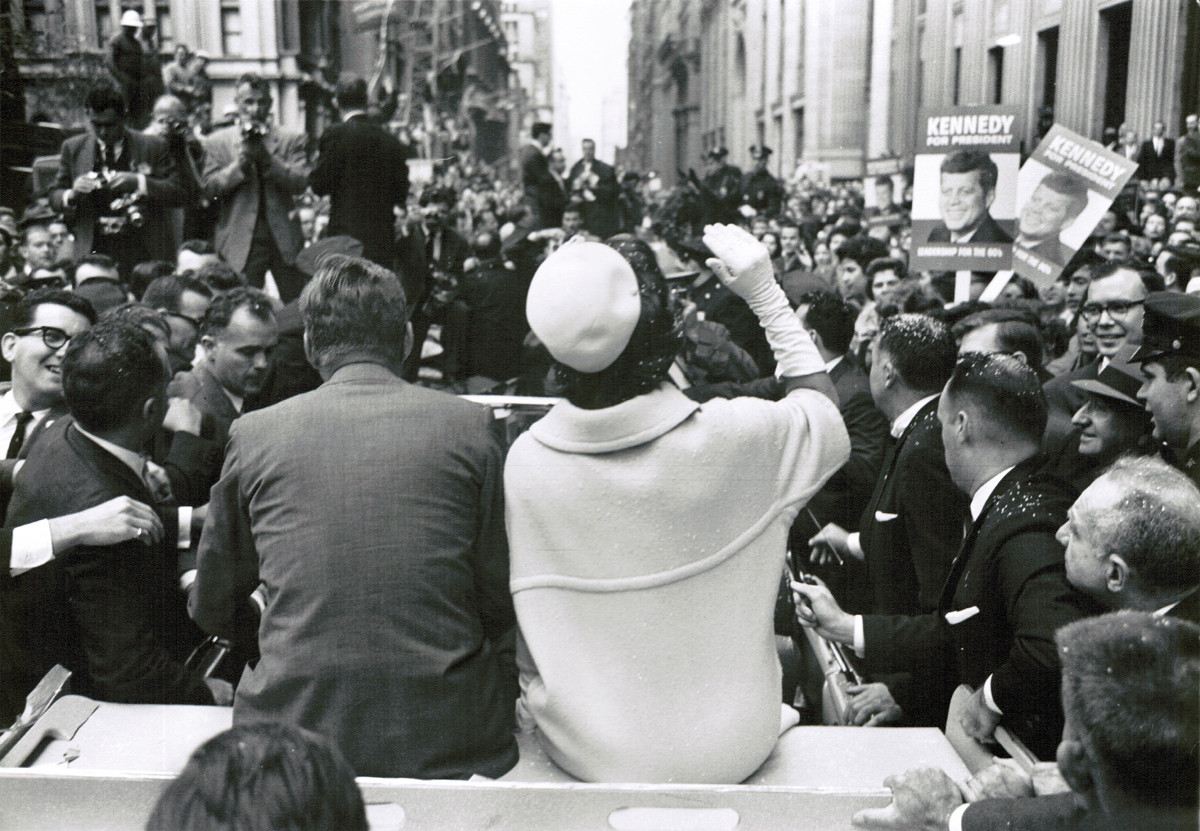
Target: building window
[(37, 28), (996, 74), (231, 27)]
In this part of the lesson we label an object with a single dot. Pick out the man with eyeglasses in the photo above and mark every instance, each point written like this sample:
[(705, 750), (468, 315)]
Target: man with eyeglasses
[(1112, 311), (183, 302)]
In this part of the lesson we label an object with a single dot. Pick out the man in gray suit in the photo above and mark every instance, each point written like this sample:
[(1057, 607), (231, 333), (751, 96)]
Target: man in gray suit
[(251, 171), (372, 515)]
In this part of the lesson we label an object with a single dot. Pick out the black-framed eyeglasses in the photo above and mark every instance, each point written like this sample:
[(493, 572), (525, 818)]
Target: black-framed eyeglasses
[(195, 323), (1115, 308), (53, 337)]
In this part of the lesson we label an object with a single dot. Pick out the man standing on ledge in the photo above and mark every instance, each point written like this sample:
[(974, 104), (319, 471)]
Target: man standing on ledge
[(252, 170)]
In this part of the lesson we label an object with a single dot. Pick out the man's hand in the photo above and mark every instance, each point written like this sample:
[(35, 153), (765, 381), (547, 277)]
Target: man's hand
[(816, 609), (742, 262), (922, 800), (1003, 779), (109, 523), (222, 691), (871, 705), (123, 182), (978, 720), (831, 544), (182, 416), (86, 183), (183, 385)]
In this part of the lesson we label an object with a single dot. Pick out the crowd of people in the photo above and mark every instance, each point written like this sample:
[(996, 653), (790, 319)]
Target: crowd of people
[(229, 356)]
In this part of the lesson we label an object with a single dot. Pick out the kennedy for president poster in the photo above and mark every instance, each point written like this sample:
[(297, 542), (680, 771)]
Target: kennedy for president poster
[(965, 189), (1063, 190)]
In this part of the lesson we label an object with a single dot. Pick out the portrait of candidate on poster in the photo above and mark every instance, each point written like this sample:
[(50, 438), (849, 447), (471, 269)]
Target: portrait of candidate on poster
[(964, 189), (1062, 192)]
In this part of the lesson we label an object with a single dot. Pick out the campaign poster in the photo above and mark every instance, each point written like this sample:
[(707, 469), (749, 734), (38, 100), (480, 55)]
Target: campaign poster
[(964, 206), (1063, 190)]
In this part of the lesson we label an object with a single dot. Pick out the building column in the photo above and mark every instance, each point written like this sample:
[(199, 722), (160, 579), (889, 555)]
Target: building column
[(835, 108), (1075, 103), (1155, 65), (881, 71)]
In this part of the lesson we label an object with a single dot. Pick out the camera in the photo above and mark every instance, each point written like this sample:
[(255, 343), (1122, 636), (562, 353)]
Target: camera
[(130, 203), (254, 130)]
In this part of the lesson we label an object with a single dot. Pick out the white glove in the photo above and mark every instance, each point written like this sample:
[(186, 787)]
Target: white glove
[(744, 266)]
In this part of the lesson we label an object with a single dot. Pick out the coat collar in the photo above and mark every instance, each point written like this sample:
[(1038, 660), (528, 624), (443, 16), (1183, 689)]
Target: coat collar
[(631, 423)]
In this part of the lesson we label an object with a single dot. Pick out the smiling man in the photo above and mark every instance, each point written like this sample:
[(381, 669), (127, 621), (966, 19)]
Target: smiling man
[(968, 188), (1055, 203)]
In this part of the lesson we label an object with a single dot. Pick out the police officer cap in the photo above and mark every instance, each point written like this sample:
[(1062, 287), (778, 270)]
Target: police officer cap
[(1171, 327)]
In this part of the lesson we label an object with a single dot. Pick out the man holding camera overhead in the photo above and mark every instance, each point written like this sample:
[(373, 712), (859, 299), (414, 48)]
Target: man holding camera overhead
[(252, 170), (114, 185)]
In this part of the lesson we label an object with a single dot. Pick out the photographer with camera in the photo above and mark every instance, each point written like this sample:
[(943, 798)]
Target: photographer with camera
[(252, 170), (113, 185), (169, 121)]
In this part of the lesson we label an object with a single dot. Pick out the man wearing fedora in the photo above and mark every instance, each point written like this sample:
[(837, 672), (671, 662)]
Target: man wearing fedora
[(760, 190)]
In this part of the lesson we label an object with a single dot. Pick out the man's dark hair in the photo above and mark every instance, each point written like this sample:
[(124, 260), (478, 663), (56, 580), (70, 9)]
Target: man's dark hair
[(108, 373), (351, 93), (831, 317), (1017, 331), (892, 264), (966, 160), (106, 96), (219, 277), (353, 307), (254, 81), (1151, 280), (223, 308), (1071, 186), (1131, 691), (863, 250), (140, 315), (28, 305), (1006, 393), (263, 776), (144, 274), (165, 292), (541, 129), (99, 261), (655, 341), (197, 246), (921, 348), (1155, 526)]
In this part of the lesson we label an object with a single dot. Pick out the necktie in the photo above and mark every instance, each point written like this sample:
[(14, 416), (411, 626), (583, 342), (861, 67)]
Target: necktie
[(18, 439), (158, 482)]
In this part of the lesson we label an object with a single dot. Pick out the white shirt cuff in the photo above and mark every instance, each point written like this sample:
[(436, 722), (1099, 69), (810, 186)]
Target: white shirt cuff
[(187, 578), (32, 546), (955, 822), (987, 697), (860, 639), (185, 527), (854, 543), (142, 189), (259, 596)]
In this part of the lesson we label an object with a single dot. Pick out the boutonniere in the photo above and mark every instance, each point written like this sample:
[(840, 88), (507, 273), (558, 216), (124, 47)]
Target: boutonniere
[(143, 169)]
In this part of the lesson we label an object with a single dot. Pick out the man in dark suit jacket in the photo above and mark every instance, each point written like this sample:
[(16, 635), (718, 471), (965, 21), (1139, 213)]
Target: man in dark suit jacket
[(534, 159), (1006, 592), (111, 162), (1157, 157), (387, 606), (1128, 750), (364, 169), (968, 188), (594, 186), (237, 335), (251, 171), (105, 612)]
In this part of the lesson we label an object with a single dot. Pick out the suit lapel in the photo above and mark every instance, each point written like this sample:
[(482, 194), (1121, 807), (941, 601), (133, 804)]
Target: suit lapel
[(963, 557), (87, 155)]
